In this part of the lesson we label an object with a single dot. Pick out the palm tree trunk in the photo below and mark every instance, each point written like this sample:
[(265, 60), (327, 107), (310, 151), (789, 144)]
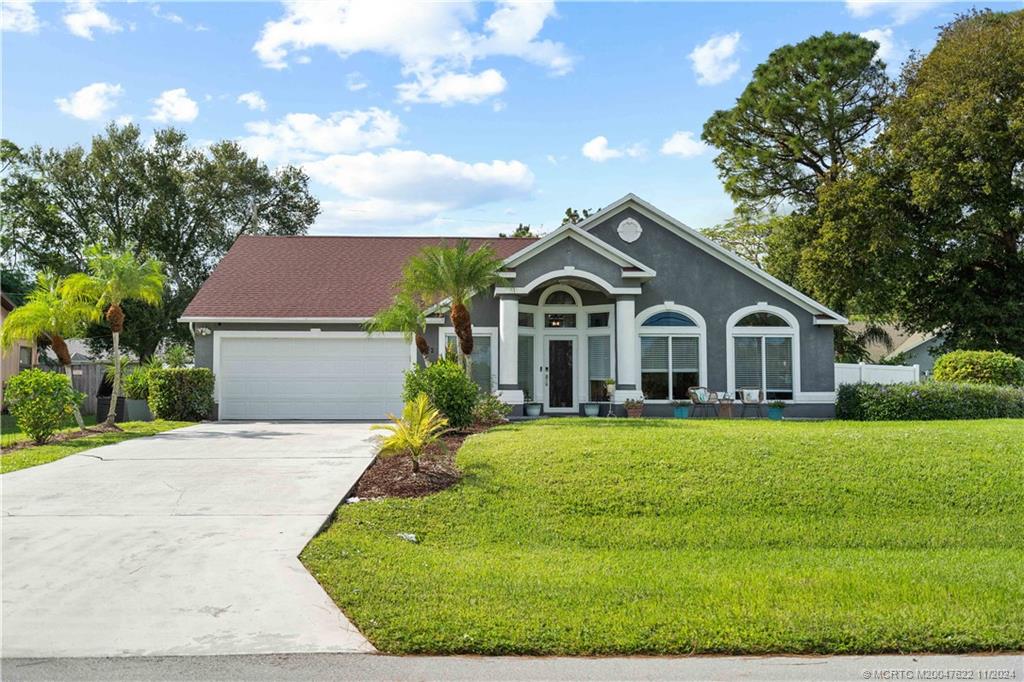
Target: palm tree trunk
[(115, 391), (78, 412)]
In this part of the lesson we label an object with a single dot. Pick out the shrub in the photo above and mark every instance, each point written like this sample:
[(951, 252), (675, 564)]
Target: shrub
[(136, 384), (448, 388), (181, 393), (490, 409), (980, 367), (177, 355), (420, 426), (41, 401), (932, 400)]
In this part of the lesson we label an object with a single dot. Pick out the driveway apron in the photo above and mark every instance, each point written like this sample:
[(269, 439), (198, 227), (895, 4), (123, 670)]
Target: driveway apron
[(181, 543)]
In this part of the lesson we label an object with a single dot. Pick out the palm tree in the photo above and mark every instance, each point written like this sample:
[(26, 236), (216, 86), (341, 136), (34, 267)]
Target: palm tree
[(114, 278), (420, 425), (405, 315), (53, 313), (455, 274)]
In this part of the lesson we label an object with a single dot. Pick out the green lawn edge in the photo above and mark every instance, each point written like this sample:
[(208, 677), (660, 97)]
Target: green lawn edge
[(23, 458), (838, 538)]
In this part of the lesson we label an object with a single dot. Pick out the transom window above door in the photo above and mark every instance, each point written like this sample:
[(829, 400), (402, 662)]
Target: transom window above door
[(560, 320), (559, 298)]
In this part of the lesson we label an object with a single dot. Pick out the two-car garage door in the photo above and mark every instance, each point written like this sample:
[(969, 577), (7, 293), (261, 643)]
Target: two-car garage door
[(321, 377)]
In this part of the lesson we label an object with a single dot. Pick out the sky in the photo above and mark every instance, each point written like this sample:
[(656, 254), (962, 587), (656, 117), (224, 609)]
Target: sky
[(431, 118)]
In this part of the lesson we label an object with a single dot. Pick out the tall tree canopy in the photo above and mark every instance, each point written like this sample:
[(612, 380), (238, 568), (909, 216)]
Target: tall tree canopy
[(930, 224), (180, 204)]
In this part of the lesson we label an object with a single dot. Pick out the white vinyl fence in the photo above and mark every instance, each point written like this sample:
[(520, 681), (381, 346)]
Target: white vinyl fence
[(877, 374)]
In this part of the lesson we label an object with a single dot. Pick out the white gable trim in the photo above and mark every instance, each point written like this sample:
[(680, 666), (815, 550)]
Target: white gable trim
[(570, 231), (570, 273), (728, 257)]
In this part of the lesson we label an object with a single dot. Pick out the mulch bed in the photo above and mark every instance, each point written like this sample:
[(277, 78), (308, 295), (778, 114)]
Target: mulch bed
[(63, 436), (393, 477)]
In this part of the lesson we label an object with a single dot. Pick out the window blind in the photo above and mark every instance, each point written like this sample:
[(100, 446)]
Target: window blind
[(748, 362), (684, 354), (600, 355), (778, 361), (525, 377), (653, 353)]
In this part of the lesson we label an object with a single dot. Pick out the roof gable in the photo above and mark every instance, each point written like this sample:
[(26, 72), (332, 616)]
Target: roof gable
[(823, 314), (569, 231)]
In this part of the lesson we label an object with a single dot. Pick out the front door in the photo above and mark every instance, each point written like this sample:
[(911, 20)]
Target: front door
[(560, 374)]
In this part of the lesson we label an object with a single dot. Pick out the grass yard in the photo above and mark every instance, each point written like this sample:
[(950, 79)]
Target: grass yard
[(10, 433), (576, 536), (23, 458)]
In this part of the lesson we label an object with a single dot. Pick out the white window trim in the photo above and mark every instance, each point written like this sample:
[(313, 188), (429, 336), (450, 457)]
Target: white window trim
[(732, 331), (219, 336), (564, 273), (492, 332), (700, 331)]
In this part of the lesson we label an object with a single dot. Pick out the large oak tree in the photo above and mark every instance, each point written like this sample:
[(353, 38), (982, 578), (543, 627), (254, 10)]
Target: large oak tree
[(164, 198)]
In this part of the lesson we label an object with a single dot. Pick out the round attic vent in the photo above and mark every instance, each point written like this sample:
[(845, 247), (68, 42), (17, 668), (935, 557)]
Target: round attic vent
[(630, 230)]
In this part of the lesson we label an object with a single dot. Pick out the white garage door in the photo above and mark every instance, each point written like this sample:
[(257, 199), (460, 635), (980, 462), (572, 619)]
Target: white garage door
[(311, 378)]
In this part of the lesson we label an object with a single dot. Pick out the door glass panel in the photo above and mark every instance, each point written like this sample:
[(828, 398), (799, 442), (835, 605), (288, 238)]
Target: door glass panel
[(526, 366), (560, 372)]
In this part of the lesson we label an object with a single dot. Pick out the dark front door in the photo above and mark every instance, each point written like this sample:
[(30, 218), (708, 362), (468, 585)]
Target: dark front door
[(559, 373)]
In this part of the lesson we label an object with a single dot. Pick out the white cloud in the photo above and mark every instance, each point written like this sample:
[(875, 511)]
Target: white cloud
[(898, 12), (123, 120), (166, 16), (254, 100), (451, 88), (355, 82), (18, 16), (682, 143), (174, 105), (84, 16), (598, 150), (92, 102), (433, 41), (300, 137), (890, 50), (713, 60), (412, 187)]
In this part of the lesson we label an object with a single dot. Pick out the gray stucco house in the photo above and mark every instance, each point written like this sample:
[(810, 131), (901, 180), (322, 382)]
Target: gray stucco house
[(630, 294)]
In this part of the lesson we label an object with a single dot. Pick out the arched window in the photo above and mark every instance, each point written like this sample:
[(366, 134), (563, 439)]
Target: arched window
[(669, 319), (762, 319), (560, 298)]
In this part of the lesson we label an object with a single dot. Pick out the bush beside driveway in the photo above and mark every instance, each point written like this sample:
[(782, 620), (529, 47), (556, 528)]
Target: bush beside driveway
[(621, 536)]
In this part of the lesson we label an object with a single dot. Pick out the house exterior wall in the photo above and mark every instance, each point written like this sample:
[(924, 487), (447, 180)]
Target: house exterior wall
[(10, 363), (922, 356)]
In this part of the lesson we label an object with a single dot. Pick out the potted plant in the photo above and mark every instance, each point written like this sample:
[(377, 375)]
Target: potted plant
[(530, 408), (609, 387), (775, 408), (681, 408), (136, 396), (634, 407), (591, 409)]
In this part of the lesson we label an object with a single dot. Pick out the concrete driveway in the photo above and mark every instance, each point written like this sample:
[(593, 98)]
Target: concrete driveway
[(180, 543)]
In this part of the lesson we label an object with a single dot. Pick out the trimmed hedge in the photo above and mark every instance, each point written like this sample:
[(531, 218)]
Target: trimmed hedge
[(980, 367), (41, 401), (448, 388), (931, 400), (181, 393)]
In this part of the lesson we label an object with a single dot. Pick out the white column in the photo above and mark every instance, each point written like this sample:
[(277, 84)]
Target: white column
[(625, 348), (508, 348)]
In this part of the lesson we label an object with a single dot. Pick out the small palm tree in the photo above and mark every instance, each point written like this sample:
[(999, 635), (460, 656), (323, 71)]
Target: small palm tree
[(114, 278), (53, 313), (455, 274), (405, 315), (420, 425)]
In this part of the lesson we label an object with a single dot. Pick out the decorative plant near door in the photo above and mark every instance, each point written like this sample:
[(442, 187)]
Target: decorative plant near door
[(114, 278), (405, 315), (55, 313), (452, 274), (420, 425)]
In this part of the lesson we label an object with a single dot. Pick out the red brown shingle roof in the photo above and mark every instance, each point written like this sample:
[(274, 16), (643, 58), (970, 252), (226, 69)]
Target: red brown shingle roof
[(315, 276)]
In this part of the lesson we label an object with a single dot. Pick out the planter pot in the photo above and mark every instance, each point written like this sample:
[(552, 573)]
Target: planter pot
[(681, 411), (591, 409), (634, 412), (775, 413), (137, 411), (532, 409), (103, 404)]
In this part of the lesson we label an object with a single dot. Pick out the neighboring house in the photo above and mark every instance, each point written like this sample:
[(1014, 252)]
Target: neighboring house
[(917, 350), (21, 355), (630, 293)]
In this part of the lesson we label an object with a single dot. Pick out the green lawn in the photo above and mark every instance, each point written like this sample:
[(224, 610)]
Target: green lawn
[(658, 536), (41, 454), (10, 433)]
